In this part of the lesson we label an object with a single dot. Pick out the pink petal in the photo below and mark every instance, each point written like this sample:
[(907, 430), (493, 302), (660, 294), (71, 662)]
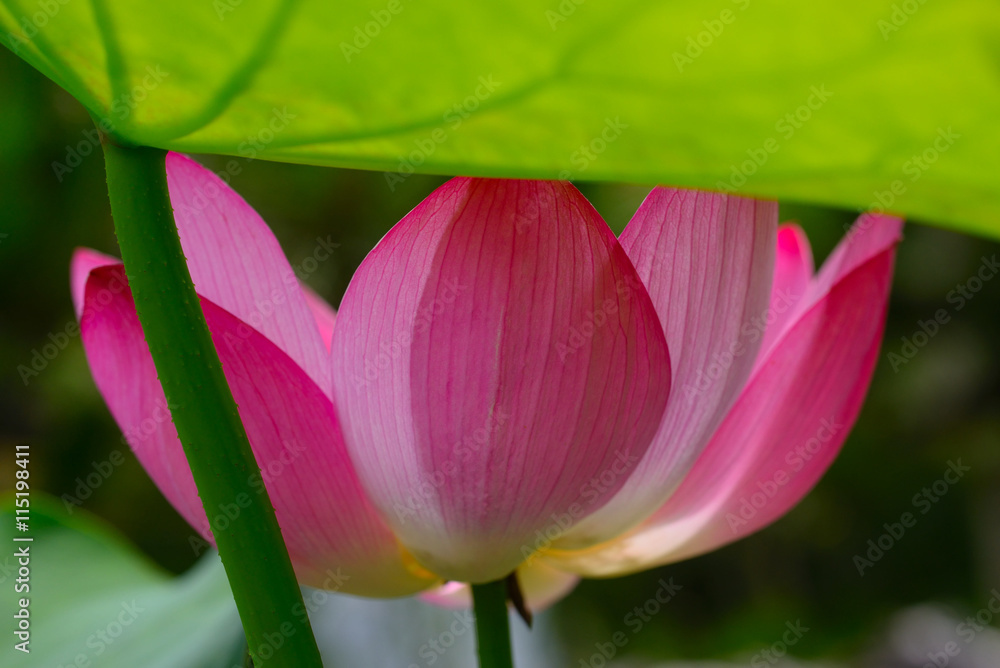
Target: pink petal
[(236, 262), (494, 356), (334, 536), (84, 261), (787, 426), (124, 374), (324, 314), (793, 273), (707, 260), (541, 585), (870, 235)]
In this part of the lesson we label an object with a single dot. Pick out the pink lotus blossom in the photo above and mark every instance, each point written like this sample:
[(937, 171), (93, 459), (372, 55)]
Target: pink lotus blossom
[(506, 385)]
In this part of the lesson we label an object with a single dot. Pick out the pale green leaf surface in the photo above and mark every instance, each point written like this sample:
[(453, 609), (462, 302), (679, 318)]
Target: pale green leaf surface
[(231, 65), (94, 601)]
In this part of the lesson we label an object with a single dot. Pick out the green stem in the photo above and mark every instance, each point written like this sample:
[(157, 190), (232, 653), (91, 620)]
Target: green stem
[(492, 624), (260, 572)]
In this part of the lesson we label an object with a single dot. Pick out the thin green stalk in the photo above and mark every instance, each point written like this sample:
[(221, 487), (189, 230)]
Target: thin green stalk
[(208, 424), (492, 625)]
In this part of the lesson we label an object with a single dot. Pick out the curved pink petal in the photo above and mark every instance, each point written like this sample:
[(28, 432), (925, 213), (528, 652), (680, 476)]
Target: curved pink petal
[(334, 536), (499, 368), (85, 260), (236, 262), (785, 429), (707, 260), (123, 371), (870, 235), (541, 585), (324, 314), (793, 274)]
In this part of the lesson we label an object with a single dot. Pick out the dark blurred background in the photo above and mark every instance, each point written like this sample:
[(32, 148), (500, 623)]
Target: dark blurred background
[(941, 405)]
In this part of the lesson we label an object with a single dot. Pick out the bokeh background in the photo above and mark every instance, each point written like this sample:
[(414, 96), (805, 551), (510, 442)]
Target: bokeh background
[(942, 405)]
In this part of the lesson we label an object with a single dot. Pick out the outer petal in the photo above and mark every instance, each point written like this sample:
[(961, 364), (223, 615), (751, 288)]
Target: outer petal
[(707, 260), (324, 314), (236, 262), (541, 585), (787, 426), (333, 534), (85, 260), (494, 357), (793, 274), (870, 235)]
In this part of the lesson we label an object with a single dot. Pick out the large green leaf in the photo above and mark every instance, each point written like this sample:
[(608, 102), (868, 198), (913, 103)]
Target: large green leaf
[(94, 601), (904, 77)]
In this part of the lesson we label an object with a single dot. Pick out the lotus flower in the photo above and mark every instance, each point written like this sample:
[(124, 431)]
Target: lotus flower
[(507, 386)]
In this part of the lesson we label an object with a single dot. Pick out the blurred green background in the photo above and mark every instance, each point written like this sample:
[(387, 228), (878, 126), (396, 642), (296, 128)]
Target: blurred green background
[(942, 405)]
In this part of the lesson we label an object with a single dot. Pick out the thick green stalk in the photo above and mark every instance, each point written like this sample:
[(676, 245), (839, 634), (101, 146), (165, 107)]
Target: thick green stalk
[(492, 625), (256, 561)]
